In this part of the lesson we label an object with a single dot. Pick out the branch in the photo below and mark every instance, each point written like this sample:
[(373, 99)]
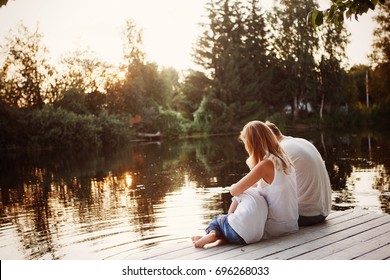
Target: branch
[(340, 10)]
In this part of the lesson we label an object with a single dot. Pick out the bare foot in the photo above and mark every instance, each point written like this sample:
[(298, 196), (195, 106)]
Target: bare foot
[(195, 238), (215, 244), (206, 239)]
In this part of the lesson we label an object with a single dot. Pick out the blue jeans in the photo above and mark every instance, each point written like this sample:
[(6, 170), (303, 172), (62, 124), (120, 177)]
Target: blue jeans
[(223, 230)]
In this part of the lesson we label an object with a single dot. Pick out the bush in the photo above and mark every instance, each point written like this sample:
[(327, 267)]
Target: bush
[(57, 128), (115, 130), (213, 116), (171, 123), (13, 128)]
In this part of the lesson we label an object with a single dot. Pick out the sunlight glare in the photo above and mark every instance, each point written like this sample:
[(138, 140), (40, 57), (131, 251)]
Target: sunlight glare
[(361, 185)]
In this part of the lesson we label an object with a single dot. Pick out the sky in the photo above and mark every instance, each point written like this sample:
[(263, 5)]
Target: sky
[(170, 27)]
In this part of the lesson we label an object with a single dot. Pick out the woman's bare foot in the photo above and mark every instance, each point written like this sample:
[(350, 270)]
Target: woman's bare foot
[(215, 244), (206, 239), (195, 238)]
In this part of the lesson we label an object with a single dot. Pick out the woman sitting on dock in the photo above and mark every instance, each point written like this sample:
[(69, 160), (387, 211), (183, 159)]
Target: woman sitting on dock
[(270, 185)]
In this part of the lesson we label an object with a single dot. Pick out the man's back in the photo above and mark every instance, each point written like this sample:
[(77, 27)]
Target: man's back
[(314, 191)]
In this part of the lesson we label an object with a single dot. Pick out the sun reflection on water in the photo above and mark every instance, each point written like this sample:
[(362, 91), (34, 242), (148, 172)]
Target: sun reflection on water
[(363, 190), (152, 195)]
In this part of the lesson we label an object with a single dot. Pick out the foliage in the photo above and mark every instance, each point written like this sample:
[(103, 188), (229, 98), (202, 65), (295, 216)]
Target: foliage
[(58, 128), (339, 10), (380, 79), (213, 116), (170, 123), (3, 2), (252, 65), (296, 43), (114, 130), (233, 51), (25, 74), (74, 101), (82, 70), (13, 127), (196, 85)]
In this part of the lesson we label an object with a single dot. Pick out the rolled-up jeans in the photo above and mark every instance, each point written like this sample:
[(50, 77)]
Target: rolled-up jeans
[(223, 230)]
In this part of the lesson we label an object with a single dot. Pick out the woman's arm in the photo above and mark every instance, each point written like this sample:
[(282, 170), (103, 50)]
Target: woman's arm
[(263, 169), (233, 206)]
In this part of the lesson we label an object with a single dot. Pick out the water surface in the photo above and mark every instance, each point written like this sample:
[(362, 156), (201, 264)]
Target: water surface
[(112, 205)]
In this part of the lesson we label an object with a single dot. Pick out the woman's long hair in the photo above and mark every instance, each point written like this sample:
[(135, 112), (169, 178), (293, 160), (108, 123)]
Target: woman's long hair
[(260, 142)]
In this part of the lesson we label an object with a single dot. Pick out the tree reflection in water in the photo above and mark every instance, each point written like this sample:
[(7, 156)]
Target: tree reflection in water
[(112, 205)]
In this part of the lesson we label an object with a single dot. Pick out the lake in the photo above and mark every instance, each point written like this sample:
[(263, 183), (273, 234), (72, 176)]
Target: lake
[(95, 205)]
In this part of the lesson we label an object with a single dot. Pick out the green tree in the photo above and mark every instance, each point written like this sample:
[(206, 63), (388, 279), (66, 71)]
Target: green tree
[(380, 82), (233, 51), (73, 100), (84, 71), (144, 88), (194, 88), (333, 77), (357, 75), (295, 44), (257, 65), (26, 75), (340, 10)]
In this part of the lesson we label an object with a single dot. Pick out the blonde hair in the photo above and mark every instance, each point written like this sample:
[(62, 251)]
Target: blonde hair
[(274, 128), (260, 142)]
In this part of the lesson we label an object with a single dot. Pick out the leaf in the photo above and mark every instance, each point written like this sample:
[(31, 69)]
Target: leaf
[(320, 18), (309, 19), (371, 5)]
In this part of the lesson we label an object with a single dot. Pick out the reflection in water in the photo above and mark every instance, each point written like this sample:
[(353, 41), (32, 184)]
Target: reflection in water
[(110, 206), (361, 191)]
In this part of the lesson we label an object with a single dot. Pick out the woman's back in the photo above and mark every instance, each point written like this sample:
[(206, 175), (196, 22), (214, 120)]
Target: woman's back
[(281, 196)]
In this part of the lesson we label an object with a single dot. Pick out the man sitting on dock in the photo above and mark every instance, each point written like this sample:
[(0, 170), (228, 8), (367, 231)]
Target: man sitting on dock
[(314, 191)]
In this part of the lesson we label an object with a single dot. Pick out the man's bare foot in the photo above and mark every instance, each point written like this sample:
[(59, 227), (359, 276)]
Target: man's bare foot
[(206, 239)]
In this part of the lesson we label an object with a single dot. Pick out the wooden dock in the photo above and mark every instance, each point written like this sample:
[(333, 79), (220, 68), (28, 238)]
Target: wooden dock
[(345, 235)]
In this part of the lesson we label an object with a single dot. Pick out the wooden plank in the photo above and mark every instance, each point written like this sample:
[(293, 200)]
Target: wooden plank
[(339, 241), (158, 251), (360, 249), (382, 253), (204, 253), (268, 247), (224, 250), (335, 238)]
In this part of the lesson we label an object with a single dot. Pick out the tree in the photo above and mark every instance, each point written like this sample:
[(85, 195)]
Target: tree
[(339, 10), (3, 2), (26, 75), (381, 44), (84, 71), (145, 89), (295, 44), (233, 52), (380, 82), (334, 39), (257, 62), (194, 88)]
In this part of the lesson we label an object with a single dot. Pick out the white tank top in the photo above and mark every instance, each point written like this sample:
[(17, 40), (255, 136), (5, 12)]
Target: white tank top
[(281, 196)]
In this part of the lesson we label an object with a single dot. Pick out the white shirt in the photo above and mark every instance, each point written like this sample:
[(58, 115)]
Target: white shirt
[(249, 218), (281, 196), (313, 184)]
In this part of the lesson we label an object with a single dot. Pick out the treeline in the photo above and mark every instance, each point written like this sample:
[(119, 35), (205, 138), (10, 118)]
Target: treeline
[(253, 64)]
